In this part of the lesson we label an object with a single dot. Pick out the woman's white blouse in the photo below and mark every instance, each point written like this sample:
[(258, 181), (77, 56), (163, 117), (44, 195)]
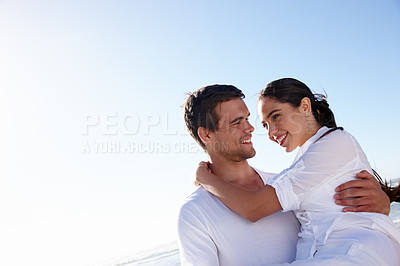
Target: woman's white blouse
[(308, 186)]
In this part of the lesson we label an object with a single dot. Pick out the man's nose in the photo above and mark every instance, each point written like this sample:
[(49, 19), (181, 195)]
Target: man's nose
[(249, 128)]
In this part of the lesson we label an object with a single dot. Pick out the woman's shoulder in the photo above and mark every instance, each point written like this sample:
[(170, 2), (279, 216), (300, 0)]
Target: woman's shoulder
[(332, 150), (338, 140), (337, 135)]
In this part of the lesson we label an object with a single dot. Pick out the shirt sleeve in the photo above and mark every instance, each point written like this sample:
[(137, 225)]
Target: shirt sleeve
[(329, 158), (195, 245)]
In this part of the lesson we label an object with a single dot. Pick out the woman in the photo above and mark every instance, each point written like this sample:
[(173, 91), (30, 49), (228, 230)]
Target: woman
[(328, 156)]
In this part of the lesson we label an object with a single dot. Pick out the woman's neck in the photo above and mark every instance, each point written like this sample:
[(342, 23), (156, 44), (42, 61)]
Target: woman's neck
[(312, 129)]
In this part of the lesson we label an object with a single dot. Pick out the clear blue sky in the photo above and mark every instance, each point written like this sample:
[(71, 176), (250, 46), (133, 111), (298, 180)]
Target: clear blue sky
[(76, 75)]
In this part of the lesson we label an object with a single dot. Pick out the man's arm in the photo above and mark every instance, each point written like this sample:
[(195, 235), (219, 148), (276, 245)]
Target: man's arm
[(195, 246), (363, 195)]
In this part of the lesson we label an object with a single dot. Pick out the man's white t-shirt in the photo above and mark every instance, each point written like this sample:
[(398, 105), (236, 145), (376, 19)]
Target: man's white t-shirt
[(211, 234)]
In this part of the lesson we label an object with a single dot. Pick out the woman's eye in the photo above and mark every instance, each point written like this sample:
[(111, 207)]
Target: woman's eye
[(275, 116)]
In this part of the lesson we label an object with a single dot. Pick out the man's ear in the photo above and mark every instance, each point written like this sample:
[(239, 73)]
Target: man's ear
[(305, 106), (204, 134)]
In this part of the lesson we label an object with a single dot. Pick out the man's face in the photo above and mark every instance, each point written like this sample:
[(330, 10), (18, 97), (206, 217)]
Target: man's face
[(232, 140)]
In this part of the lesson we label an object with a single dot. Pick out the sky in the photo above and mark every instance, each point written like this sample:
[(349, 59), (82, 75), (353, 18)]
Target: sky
[(95, 160)]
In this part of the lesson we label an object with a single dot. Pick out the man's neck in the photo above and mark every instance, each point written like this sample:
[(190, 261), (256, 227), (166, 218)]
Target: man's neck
[(238, 173)]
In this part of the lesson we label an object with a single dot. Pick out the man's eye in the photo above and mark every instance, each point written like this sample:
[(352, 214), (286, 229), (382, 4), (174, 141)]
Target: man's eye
[(275, 116)]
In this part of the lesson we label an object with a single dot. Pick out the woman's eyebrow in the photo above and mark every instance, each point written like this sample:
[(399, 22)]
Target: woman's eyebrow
[(273, 111)]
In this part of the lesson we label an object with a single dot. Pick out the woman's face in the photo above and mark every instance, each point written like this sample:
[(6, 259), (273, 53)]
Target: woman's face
[(285, 124)]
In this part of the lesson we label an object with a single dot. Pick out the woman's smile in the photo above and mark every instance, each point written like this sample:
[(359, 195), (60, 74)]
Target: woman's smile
[(280, 139)]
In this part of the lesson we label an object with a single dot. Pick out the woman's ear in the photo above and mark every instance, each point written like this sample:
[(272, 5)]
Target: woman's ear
[(305, 106)]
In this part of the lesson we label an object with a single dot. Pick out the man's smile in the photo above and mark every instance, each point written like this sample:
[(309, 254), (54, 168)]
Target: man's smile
[(247, 140)]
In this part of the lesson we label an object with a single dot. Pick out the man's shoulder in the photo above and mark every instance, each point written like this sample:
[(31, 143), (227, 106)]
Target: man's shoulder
[(264, 175), (200, 194), (196, 201)]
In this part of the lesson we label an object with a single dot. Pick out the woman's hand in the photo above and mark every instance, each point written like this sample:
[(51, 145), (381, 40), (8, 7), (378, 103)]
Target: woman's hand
[(202, 171)]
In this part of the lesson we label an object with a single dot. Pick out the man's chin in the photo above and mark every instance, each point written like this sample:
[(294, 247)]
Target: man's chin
[(239, 156), (249, 155), (252, 155)]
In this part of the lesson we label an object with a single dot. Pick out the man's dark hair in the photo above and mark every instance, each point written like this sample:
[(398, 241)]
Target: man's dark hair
[(199, 108)]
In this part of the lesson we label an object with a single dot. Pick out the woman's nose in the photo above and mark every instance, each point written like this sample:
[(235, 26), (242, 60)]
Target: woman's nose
[(271, 130)]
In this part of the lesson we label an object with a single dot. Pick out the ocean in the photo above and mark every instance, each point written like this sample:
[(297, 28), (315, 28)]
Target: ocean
[(168, 254), (163, 255)]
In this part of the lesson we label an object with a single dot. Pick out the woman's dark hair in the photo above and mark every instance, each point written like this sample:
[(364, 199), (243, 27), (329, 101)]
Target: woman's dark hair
[(292, 91), (392, 192)]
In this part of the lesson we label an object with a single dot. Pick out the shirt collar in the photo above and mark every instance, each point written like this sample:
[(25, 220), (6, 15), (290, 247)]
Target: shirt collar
[(303, 148)]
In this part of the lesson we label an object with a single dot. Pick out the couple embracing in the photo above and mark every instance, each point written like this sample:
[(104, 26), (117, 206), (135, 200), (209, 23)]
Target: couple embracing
[(243, 216)]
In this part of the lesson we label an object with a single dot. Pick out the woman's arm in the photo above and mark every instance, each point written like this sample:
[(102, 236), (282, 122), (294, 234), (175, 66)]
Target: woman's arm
[(252, 205)]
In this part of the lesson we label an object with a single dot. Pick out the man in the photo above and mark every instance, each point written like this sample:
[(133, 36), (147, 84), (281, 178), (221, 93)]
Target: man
[(209, 232)]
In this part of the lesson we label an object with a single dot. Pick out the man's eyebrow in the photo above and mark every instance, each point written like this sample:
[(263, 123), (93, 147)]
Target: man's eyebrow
[(273, 111), (238, 118)]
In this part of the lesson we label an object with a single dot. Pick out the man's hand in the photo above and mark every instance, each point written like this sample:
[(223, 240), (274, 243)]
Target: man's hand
[(364, 195)]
